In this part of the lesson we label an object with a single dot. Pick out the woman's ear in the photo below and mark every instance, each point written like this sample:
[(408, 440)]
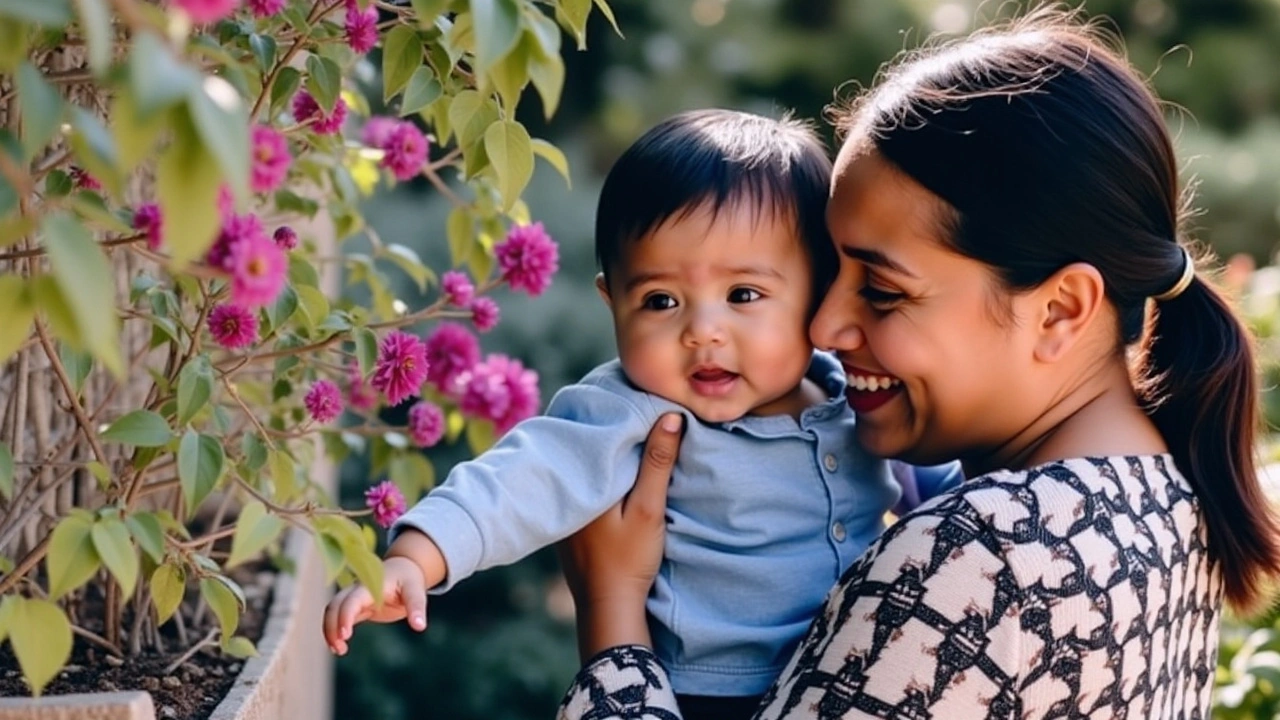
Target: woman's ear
[(603, 288), (1069, 302)]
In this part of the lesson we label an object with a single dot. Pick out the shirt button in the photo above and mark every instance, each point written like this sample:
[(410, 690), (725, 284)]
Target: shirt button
[(830, 462), (837, 532)]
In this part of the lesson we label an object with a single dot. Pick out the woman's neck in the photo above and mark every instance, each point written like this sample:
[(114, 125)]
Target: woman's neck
[(1097, 417)]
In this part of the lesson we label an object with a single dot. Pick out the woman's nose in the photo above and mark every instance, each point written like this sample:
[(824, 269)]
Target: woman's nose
[(836, 325)]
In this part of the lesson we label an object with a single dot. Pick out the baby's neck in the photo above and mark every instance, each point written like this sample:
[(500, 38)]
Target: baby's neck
[(805, 394)]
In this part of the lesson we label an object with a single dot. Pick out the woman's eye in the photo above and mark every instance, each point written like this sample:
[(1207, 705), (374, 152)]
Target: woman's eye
[(880, 299), (744, 295), (659, 301)]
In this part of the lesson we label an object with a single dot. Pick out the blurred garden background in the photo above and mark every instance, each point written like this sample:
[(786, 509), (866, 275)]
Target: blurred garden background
[(501, 646)]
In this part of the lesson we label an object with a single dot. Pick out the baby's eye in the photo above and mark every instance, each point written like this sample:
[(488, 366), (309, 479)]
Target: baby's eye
[(744, 295), (659, 301)]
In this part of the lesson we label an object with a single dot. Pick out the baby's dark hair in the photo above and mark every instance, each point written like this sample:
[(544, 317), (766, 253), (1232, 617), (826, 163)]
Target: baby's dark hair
[(712, 159)]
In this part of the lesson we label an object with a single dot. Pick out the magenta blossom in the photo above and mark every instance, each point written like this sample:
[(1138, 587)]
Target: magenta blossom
[(232, 326), (386, 501), (306, 108), (226, 201), (528, 258), (83, 180), (457, 288), (236, 230), (501, 390), (271, 159), (207, 11), (265, 8), (426, 424), (451, 351), (258, 269), (286, 237), (323, 401), (147, 218), (359, 394), (402, 367), (404, 151), (484, 314), (377, 130), (362, 29)]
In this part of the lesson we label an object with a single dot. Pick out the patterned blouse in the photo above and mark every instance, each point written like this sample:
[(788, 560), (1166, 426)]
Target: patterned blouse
[(1077, 589)]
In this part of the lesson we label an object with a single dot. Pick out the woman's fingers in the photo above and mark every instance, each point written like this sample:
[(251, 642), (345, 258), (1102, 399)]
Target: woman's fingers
[(647, 501)]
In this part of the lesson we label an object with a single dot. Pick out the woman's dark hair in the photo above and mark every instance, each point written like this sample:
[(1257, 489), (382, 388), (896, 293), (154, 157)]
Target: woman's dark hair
[(1049, 150), (714, 158)]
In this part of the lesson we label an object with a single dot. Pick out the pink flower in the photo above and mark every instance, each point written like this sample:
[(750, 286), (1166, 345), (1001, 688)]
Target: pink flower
[(457, 288), (206, 11), (405, 149), (271, 159), (451, 351), (377, 129), (258, 268), (500, 389), (147, 218), (83, 180), (528, 258), (401, 368), (236, 230), (386, 501), (323, 401), (286, 237), (306, 108), (232, 326), (484, 314), (359, 394), (426, 424), (226, 201), (362, 29), (265, 8)]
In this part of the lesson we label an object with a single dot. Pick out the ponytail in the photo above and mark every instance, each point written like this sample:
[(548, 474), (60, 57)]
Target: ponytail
[(1201, 388)]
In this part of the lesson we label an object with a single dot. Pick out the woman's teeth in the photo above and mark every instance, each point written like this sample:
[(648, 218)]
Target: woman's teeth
[(872, 383)]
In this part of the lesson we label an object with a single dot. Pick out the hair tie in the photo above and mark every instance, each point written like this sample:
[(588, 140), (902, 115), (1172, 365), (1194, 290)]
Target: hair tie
[(1188, 274)]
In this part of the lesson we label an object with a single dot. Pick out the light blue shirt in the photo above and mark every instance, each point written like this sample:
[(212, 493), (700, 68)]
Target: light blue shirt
[(764, 514)]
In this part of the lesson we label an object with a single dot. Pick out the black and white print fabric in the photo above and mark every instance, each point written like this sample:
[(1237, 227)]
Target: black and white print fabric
[(1077, 589)]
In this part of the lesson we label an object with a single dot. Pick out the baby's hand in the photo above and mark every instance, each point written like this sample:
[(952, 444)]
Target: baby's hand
[(404, 594)]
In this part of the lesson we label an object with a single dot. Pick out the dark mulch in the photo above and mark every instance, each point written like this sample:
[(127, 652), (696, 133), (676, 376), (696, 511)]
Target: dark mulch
[(189, 693)]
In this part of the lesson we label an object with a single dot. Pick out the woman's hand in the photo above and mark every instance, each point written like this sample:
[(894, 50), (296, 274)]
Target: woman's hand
[(611, 563)]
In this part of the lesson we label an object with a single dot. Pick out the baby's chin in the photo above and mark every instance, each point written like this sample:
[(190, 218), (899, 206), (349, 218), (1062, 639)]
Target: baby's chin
[(716, 412)]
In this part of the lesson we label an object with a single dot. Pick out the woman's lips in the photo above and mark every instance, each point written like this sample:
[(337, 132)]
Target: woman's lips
[(713, 382), (867, 391)]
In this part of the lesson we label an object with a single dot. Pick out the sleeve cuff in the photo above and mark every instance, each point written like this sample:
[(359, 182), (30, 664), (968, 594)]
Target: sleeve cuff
[(451, 528)]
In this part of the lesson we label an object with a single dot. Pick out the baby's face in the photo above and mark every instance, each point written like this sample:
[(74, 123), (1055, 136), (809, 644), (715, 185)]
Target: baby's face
[(712, 313)]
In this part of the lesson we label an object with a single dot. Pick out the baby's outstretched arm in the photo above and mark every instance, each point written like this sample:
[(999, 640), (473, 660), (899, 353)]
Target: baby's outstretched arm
[(413, 564)]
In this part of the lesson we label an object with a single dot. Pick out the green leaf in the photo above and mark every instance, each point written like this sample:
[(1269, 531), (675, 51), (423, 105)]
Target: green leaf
[(200, 461), (497, 26), (510, 74), (253, 450), (141, 428), (41, 638), (366, 350), (41, 109), (85, 281), (157, 78), (283, 474), (575, 13), (255, 530), (147, 531), (77, 364), (480, 435), (239, 647), (224, 603), (279, 312), (413, 473), (18, 310), (14, 43), (6, 471), (6, 611), (71, 560), (401, 57), (547, 73), (264, 49), (511, 154), (409, 261), (314, 306), (168, 584), (608, 15), (471, 114), (222, 122), (44, 12), (95, 23), (427, 11), (187, 181), (111, 540), (46, 296), (552, 155), (100, 473), (195, 385), (324, 81), (459, 228), (423, 89), (95, 150), (135, 137), (288, 80)]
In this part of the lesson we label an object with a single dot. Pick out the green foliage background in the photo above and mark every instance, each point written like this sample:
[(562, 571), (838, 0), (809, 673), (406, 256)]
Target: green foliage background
[(493, 651)]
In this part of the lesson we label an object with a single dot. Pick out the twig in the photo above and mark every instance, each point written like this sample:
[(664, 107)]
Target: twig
[(24, 566), (81, 419), (37, 252), (207, 639), (98, 640)]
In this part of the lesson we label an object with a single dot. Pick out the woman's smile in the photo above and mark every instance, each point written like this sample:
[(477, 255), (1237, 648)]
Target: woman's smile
[(869, 391)]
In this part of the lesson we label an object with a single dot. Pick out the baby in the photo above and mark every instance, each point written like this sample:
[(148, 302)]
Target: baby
[(711, 238)]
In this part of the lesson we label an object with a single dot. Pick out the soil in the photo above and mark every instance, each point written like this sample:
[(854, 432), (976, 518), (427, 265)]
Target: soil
[(191, 692)]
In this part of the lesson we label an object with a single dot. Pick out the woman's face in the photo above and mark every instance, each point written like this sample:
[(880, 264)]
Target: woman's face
[(937, 362)]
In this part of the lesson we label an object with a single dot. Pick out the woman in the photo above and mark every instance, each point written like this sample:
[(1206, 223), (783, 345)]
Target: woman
[(1004, 207)]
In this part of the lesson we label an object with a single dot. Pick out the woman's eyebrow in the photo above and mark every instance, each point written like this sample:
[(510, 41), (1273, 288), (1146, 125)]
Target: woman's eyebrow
[(876, 258)]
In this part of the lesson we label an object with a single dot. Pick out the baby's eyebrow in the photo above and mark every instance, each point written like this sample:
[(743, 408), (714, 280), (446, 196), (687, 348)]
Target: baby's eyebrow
[(643, 278), (754, 270)]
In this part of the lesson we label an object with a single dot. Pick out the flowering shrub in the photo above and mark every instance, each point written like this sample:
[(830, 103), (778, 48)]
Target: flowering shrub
[(179, 218)]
